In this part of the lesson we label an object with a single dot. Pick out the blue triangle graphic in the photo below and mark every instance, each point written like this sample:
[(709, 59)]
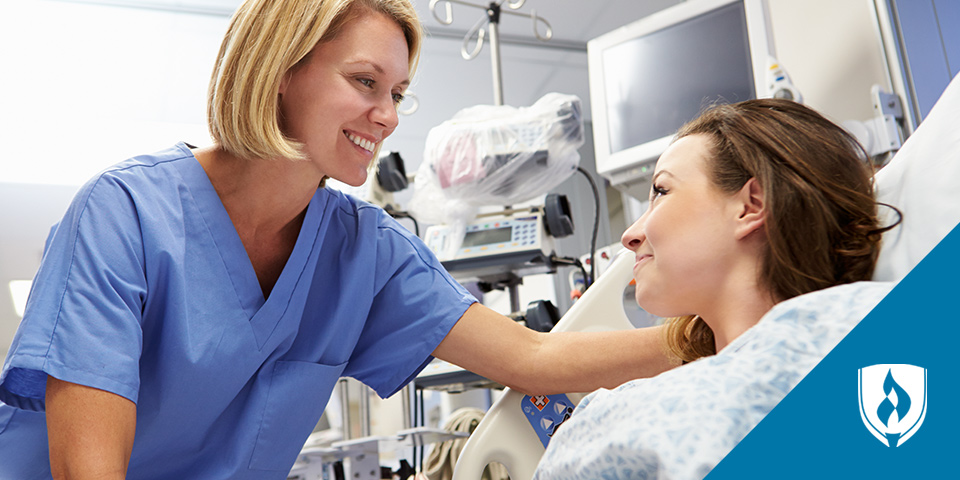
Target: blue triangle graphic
[(816, 431)]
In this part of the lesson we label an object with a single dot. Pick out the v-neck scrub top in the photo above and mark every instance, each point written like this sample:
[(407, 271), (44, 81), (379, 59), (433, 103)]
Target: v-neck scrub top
[(145, 290)]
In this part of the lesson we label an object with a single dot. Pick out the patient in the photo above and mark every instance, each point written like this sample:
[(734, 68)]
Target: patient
[(752, 205)]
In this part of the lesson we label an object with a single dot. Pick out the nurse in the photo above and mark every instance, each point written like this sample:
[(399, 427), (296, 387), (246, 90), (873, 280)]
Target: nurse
[(195, 307), (752, 206)]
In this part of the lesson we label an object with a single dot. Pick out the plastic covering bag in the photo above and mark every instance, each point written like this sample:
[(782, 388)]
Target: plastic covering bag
[(497, 155)]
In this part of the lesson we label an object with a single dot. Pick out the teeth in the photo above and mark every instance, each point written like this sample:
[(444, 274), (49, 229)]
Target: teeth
[(362, 143)]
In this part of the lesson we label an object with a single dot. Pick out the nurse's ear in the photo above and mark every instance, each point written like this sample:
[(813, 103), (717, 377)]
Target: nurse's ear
[(752, 211), (285, 79), (284, 82)]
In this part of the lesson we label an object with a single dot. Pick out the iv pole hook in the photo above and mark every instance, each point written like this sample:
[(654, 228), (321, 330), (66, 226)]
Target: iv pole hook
[(536, 32), (477, 29), (492, 22), (448, 9)]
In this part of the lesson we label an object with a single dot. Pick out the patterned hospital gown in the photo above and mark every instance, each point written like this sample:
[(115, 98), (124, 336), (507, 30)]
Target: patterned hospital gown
[(680, 424)]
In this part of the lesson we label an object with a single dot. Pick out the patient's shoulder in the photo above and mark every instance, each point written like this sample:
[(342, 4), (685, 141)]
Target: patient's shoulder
[(812, 323)]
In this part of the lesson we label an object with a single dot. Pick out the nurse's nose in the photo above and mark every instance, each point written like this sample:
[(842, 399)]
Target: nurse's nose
[(384, 113), (633, 237)]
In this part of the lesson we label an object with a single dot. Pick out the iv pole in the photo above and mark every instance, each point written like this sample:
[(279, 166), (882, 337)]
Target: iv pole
[(492, 21)]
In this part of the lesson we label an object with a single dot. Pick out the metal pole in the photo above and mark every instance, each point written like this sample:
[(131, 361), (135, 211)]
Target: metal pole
[(493, 12), (364, 411), (407, 393), (345, 408), (514, 297)]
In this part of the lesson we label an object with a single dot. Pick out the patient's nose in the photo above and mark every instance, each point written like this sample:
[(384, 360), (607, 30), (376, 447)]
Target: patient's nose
[(633, 237)]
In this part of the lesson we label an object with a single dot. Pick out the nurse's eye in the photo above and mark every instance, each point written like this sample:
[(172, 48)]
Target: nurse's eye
[(397, 98), (366, 82)]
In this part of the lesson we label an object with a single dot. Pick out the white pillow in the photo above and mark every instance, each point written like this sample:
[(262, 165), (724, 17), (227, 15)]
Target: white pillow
[(923, 181)]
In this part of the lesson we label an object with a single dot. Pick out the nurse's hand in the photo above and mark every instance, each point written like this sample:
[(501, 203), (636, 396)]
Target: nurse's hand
[(496, 347), (90, 431)]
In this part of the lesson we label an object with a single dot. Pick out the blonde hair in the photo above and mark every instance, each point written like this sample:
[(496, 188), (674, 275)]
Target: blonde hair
[(267, 38)]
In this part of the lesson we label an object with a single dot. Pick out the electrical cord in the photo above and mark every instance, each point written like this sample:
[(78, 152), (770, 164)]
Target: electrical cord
[(402, 214), (596, 229), (444, 455), (571, 262)]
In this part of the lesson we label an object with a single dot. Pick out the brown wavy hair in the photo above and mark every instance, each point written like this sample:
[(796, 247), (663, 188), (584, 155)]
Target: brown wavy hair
[(821, 223)]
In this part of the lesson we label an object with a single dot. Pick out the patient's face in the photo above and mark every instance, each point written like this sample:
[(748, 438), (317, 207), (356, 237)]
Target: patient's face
[(683, 243)]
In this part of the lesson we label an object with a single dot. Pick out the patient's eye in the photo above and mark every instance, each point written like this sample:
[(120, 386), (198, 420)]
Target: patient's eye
[(656, 191)]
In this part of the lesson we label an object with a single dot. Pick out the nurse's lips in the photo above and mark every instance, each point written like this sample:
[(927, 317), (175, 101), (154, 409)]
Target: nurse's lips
[(367, 144)]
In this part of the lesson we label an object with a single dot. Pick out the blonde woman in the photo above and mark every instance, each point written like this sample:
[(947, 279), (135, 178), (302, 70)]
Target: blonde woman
[(195, 307)]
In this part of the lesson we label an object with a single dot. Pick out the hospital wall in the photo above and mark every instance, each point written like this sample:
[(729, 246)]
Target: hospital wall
[(832, 52)]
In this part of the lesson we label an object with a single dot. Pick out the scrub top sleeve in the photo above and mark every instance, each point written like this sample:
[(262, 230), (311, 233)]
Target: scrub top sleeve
[(82, 319), (415, 305)]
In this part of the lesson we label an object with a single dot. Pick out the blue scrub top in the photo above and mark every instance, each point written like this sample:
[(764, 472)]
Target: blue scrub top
[(145, 290)]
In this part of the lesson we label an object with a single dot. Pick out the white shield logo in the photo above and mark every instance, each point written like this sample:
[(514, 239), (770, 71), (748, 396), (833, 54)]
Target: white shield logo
[(893, 401)]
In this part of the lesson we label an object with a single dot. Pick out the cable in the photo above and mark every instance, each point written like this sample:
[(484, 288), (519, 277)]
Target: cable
[(443, 456), (403, 214), (571, 262), (596, 229)]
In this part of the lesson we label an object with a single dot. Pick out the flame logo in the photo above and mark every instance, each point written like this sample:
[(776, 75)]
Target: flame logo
[(887, 408)]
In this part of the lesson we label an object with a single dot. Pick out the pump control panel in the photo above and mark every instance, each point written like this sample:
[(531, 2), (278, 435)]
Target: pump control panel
[(514, 242)]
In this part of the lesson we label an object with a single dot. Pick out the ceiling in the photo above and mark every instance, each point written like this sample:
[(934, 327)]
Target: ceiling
[(569, 18), (572, 20)]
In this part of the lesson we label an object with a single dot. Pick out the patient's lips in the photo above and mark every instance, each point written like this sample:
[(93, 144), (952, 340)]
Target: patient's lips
[(641, 259)]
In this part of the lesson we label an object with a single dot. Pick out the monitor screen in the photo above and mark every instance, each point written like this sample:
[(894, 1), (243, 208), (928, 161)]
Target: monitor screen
[(656, 82)]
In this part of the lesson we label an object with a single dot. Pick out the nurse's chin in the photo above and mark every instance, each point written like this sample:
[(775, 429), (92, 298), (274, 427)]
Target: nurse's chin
[(354, 180)]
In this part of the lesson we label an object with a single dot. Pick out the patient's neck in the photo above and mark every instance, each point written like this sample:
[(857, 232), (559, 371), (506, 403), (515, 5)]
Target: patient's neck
[(736, 311)]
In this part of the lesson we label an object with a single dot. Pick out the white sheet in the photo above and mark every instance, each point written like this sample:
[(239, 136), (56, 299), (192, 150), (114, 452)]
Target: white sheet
[(923, 181)]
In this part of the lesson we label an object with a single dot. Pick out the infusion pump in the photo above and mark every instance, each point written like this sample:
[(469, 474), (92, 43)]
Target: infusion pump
[(513, 241)]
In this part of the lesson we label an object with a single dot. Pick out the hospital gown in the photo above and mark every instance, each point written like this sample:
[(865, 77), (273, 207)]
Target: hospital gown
[(146, 291), (680, 424)]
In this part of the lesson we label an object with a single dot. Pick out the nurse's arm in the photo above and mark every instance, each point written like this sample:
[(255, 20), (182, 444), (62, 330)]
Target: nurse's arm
[(90, 431), (498, 348)]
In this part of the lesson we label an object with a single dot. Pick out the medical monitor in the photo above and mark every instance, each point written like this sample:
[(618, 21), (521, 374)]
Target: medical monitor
[(651, 76)]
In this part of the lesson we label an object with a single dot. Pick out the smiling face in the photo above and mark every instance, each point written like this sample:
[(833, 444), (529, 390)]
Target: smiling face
[(686, 240), (340, 101)]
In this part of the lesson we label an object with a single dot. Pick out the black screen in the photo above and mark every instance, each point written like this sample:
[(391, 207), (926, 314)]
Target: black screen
[(656, 83)]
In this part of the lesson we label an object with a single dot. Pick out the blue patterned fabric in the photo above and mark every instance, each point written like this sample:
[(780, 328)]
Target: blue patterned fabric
[(680, 424)]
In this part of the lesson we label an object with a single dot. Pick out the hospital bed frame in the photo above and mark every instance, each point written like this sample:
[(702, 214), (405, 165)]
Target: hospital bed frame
[(505, 435)]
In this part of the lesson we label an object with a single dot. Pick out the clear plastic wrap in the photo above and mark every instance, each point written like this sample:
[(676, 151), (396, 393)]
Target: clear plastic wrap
[(497, 155)]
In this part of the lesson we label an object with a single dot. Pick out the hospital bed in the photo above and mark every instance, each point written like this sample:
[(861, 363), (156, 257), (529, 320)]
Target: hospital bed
[(921, 181)]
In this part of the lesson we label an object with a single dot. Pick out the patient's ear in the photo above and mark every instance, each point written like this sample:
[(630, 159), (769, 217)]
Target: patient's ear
[(752, 211)]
